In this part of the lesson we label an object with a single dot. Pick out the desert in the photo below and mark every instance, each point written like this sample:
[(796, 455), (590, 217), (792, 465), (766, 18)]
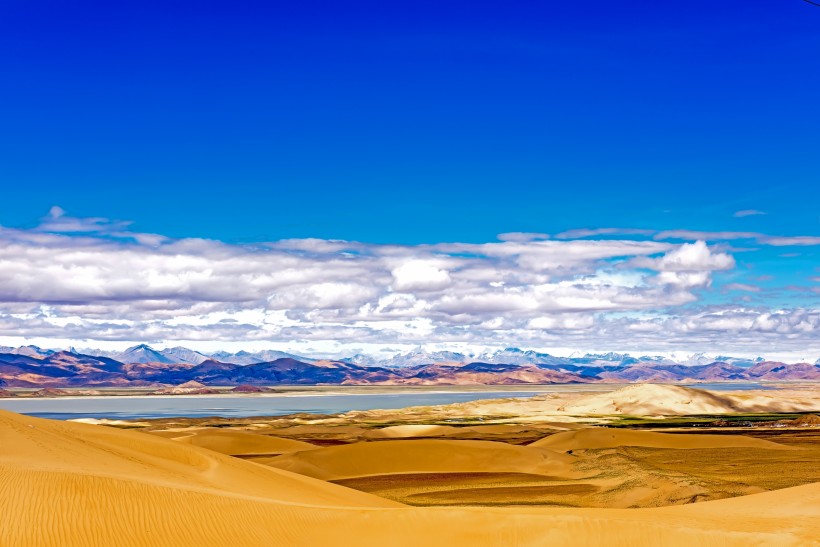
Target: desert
[(547, 470)]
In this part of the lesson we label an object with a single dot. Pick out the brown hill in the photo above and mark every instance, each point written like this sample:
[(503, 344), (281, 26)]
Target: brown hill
[(245, 388), (484, 374), (50, 392), (770, 370)]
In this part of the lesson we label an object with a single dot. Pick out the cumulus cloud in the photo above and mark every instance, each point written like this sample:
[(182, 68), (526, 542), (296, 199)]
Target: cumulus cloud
[(93, 279), (420, 275), (692, 257), (688, 266)]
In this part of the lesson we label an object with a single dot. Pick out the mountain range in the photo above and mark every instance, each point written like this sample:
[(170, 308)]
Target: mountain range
[(143, 366)]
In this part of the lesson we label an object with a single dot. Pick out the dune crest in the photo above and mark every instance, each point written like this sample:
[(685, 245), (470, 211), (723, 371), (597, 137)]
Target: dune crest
[(601, 437), (237, 443), (422, 456)]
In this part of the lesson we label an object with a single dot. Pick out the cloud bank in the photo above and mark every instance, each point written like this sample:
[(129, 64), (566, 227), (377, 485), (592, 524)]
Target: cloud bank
[(94, 280)]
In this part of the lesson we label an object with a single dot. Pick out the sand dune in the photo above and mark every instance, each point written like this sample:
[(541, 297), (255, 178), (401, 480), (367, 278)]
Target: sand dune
[(669, 400), (414, 430), (67, 484), (47, 450), (409, 431), (422, 456), (651, 400), (600, 437), (236, 443)]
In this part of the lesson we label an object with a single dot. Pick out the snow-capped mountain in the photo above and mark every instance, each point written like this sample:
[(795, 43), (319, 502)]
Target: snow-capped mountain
[(184, 355), (143, 353), (415, 357), (252, 358), (29, 351), (516, 356)]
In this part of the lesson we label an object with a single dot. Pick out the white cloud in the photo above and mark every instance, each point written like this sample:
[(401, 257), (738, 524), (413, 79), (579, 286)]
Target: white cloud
[(690, 257), (747, 213), (787, 241), (567, 322), (775, 241), (741, 287), (420, 275), (108, 284), (591, 232), (684, 280), (521, 237)]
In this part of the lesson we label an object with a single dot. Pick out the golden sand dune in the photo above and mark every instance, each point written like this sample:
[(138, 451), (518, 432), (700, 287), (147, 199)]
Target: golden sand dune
[(415, 430), (237, 443), (64, 484), (668, 400), (408, 431), (50, 455), (422, 456), (600, 437)]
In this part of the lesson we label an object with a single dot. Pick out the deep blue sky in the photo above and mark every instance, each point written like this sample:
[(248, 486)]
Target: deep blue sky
[(411, 121)]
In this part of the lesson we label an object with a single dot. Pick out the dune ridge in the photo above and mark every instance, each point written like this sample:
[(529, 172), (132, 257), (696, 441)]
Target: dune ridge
[(601, 437), (422, 456), (235, 442)]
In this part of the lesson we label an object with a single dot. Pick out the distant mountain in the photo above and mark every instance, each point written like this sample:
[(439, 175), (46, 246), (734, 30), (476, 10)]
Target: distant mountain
[(142, 365), (415, 357), (240, 358), (142, 354), (63, 369), (30, 351), (248, 358), (772, 370), (183, 355), (521, 357)]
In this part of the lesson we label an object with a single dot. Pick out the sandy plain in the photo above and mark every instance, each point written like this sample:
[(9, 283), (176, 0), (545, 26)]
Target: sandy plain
[(675, 466)]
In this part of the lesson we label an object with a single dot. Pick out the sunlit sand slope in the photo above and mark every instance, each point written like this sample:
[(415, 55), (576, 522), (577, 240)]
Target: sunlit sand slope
[(74, 484), (652, 400), (237, 443), (63, 459), (422, 456), (600, 437)]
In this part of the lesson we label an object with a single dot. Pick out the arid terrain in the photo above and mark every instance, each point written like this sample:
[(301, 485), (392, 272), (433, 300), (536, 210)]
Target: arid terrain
[(642, 465)]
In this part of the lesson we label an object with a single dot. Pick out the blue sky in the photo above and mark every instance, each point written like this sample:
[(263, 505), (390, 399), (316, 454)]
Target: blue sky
[(418, 122)]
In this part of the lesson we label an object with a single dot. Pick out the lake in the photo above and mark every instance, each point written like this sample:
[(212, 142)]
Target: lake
[(240, 406), (228, 406)]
